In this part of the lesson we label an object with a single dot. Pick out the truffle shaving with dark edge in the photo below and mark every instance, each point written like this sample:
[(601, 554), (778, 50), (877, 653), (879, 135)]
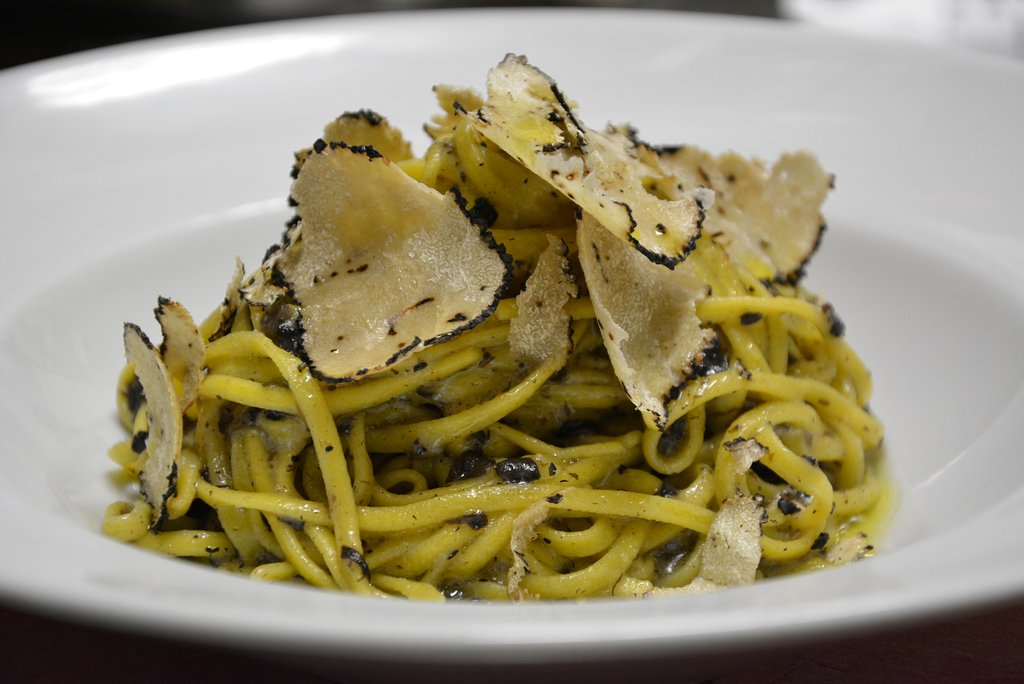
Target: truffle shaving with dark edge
[(529, 118), (164, 433), (378, 264), (541, 328), (768, 217), (647, 316), (181, 349)]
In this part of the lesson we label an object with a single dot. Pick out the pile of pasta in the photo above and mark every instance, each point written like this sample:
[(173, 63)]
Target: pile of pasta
[(540, 361)]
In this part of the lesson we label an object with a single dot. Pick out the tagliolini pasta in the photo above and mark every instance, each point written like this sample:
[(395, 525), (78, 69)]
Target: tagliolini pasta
[(539, 361)]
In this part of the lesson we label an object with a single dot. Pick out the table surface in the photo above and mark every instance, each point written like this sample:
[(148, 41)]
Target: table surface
[(979, 646)]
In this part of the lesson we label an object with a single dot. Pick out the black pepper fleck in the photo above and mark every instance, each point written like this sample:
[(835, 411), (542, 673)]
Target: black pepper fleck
[(477, 520)]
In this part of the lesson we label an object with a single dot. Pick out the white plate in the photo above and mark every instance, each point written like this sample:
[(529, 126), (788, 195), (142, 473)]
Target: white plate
[(144, 169)]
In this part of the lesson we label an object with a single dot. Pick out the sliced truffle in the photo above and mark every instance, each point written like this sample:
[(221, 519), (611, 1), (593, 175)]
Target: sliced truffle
[(765, 217), (529, 118), (232, 300), (732, 551), (182, 349), (525, 245), (503, 193), (524, 531), (377, 265), (364, 128), (745, 452), (163, 443), (266, 286), (849, 549), (647, 316), (540, 330)]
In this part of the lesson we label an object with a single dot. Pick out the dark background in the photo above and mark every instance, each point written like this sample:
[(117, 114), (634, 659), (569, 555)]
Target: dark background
[(47, 28), (38, 29)]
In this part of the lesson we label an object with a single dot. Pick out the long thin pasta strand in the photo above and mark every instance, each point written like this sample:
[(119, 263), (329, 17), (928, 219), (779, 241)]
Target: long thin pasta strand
[(327, 442), (431, 435)]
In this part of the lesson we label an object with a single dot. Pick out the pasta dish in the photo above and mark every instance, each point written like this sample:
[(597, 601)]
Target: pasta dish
[(538, 361)]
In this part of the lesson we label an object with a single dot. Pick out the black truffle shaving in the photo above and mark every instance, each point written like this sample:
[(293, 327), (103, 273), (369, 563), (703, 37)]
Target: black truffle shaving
[(672, 437), (517, 470), (134, 396), (472, 463), (452, 589), (477, 520), (666, 490), (788, 506), (139, 441), (574, 431), (750, 317), (766, 473), (353, 556), (282, 323), (672, 555)]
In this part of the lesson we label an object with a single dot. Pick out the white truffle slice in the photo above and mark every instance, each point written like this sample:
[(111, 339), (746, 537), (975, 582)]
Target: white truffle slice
[(765, 216), (540, 330), (849, 549), (182, 349), (524, 531), (648, 319), (528, 117), (378, 264), (159, 474), (732, 552), (229, 305), (744, 452)]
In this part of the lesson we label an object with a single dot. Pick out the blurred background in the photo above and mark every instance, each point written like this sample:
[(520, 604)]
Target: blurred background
[(48, 28)]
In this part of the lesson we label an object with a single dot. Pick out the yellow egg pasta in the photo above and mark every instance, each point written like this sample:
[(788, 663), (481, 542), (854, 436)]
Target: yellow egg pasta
[(543, 406)]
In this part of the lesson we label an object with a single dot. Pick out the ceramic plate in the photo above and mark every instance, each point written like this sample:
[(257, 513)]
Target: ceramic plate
[(144, 169)]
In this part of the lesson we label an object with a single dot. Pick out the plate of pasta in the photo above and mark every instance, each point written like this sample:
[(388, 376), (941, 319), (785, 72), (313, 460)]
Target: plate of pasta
[(419, 343)]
